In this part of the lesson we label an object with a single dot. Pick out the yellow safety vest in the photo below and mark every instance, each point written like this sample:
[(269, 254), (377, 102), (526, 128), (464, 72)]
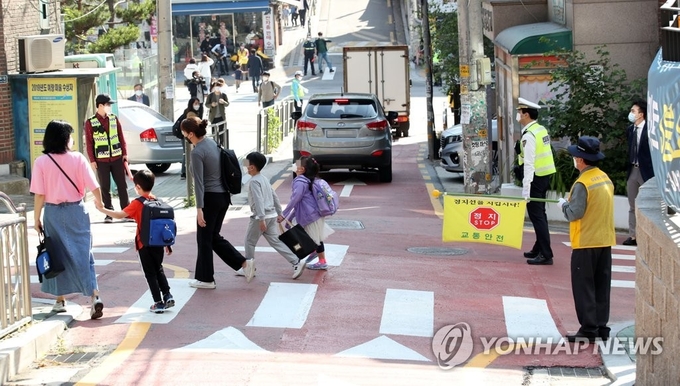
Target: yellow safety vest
[(544, 165), (106, 145), (596, 228)]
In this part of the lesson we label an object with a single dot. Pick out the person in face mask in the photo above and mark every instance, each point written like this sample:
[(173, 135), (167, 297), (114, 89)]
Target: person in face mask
[(640, 161), (217, 102), (535, 155), (139, 95), (309, 49), (107, 151), (590, 212), (268, 91)]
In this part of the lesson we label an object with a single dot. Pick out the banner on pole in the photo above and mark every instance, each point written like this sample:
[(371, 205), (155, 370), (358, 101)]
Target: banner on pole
[(484, 220)]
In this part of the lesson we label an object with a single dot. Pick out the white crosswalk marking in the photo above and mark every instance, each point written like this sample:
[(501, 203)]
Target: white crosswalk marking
[(616, 283), (335, 253), (226, 340), (623, 283), (408, 312), (285, 305), (383, 347), (529, 318), (139, 311), (616, 256), (623, 268)]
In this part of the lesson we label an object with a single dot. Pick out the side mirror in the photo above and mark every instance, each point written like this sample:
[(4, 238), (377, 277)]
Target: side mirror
[(295, 115), (392, 115)]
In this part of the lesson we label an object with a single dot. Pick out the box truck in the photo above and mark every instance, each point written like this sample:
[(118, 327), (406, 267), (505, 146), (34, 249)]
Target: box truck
[(383, 71)]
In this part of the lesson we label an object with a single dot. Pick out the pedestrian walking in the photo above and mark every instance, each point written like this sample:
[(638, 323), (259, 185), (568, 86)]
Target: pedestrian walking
[(305, 211), (139, 96), (640, 167), (238, 76), (217, 103), (294, 15), (309, 48), (285, 15), (212, 202), (204, 67), (536, 157), (255, 68), (303, 12), (242, 58), (297, 90), (265, 208), (590, 212), (151, 258), (107, 151), (59, 179), (322, 53), (268, 91)]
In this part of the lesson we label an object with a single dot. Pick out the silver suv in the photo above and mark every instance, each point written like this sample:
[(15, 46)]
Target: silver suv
[(345, 131)]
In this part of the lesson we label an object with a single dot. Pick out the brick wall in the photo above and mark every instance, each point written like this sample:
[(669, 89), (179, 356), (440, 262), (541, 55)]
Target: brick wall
[(657, 288), (17, 18)]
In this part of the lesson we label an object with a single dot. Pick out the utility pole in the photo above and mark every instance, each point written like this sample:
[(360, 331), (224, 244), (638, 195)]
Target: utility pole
[(166, 73), (476, 161), (425, 12)]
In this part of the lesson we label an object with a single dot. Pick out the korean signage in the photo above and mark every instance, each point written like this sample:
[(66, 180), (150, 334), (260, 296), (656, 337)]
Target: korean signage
[(268, 30), (50, 99)]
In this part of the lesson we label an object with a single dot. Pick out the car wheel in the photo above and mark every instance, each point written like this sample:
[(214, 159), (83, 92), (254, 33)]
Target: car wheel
[(158, 168), (385, 173), (403, 128)]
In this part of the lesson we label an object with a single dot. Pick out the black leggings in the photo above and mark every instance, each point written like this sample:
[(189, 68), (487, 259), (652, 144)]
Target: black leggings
[(320, 248)]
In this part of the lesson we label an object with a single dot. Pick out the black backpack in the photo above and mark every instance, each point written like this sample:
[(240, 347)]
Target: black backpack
[(177, 127), (231, 170), (158, 227)]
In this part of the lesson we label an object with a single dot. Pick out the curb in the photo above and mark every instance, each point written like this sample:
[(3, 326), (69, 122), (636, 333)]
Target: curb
[(619, 368)]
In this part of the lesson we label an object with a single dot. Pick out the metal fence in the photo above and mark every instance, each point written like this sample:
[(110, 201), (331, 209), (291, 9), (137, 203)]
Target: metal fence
[(15, 293), (282, 110)]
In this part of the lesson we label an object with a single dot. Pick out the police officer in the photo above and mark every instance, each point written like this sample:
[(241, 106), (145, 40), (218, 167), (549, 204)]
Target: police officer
[(535, 155), (309, 48), (107, 151)]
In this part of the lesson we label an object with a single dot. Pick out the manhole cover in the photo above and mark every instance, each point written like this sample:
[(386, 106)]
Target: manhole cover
[(345, 224), (438, 251)]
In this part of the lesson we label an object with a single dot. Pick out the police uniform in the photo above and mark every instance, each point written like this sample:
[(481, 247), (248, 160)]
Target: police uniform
[(309, 48), (590, 211), (105, 145), (535, 156)]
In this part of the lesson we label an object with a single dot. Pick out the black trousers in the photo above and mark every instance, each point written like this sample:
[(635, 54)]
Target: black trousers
[(209, 239), (117, 169), (308, 61), (536, 210), (591, 275), (152, 265)]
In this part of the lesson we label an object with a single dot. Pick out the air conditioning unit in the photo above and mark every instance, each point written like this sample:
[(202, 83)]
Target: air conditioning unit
[(41, 53)]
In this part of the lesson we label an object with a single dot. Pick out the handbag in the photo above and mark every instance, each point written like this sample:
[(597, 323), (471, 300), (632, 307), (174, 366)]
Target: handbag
[(297, 240), (48, 265)]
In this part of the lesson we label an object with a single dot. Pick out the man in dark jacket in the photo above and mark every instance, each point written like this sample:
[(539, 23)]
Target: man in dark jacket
[(308, 48), (139, 96), (640, 161), (255, 68)]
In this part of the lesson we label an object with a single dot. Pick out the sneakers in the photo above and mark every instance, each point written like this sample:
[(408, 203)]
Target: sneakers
[(168, 301), (108, 219), (97, 310), (157, 308), (312, 256), (317, 266), (241, 272), (249, 270), (59, 306), (298, 268), (331, 70), (203, 284)]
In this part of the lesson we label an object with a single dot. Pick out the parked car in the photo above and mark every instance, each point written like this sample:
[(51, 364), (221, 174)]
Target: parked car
[(346, 131), (148, 136), (451, 148)]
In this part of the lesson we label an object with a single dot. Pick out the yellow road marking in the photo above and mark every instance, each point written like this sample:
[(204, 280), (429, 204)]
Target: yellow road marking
[(133, 338)]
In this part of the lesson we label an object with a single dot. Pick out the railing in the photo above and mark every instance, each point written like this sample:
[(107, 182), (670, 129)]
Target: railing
[(281, 109), (15, 293)]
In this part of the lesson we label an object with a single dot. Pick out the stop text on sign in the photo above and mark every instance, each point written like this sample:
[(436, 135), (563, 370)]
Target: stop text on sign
[(484, 218)]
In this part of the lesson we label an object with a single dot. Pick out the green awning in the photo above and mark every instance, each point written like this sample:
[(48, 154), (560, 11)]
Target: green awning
[(524, 39)]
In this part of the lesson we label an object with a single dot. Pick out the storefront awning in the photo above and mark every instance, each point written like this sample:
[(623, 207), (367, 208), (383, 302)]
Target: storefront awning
[(526, 38), (207, 7)]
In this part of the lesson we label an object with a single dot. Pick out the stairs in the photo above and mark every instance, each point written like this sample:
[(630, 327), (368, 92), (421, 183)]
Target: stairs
[(12, 180)]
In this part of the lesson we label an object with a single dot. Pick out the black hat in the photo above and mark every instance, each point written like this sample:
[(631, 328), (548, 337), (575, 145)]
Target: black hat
[(103, 99), (587, 148), (266, 73)]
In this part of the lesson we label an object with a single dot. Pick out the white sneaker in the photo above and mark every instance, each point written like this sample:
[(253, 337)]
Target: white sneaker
[(249, 270), (97, 310), (203, 284), (299, 267), (241, 272), (59, 306)]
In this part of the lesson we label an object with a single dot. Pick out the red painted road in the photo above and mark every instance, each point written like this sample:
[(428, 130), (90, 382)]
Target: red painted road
[(348, 305)]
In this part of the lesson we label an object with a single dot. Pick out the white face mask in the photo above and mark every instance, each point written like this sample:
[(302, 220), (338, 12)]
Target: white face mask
[(196, 107), (575, 165), (265, 78), (518, 117), (107, 109), (631, 117), (138, 92)]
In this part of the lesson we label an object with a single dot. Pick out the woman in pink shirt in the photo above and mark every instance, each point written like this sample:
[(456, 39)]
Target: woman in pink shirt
[(59, 179)]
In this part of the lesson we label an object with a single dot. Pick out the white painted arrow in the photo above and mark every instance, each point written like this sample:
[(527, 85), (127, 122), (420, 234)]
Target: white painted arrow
[(348, 185)]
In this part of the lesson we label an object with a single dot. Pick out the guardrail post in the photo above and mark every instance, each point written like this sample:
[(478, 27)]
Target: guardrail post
[(259, 131)]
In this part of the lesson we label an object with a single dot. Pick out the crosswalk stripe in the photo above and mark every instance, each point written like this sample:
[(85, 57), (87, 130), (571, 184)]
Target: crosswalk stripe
[(285, 305), (408, 312), (623, 257), (623, 268), (529, 318), (335, 253), (225, 340), (327, 75), (623, 283), (139, 311), (383, 347)]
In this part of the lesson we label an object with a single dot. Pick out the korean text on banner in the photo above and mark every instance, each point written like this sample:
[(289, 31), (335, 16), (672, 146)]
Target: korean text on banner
[(484, 220)]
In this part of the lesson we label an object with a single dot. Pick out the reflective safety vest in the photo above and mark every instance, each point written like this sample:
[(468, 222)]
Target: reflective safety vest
[(544, 165), (106, 145), (596, 228)]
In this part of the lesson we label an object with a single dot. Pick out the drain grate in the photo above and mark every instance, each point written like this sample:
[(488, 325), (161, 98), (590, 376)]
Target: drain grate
[(79, 357), (345, 224), (438, 251), (125, 242)]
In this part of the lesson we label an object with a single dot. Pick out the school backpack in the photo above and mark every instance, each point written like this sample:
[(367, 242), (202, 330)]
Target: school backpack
[(231, 170), (158, 227), (177, 127), (326, 199)]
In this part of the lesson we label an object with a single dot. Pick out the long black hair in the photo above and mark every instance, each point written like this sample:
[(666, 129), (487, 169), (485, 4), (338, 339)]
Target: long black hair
[(57, 136), (311, 169)]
